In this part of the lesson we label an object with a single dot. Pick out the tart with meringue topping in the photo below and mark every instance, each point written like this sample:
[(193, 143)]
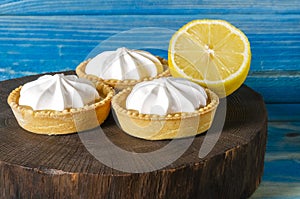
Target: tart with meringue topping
[(123, 67), (165, 108), (60, 104)]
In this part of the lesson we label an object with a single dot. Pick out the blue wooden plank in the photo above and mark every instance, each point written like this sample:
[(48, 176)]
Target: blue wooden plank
[(283, 151), (275, 43), (57, 7), (281, 177), (283, 137), (283, 112), (42, 44), (249, 23), (277, 190), (276, 86), (277, 170)]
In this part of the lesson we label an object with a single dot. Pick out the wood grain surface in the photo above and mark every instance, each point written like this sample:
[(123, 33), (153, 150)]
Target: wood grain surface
[(37, 166)]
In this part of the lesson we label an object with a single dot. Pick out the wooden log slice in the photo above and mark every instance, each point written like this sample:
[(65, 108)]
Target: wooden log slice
[(40, 166)]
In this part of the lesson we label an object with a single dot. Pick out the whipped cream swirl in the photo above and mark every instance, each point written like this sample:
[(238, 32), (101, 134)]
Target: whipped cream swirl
[(166, 95), (124, 64), (58, 92)]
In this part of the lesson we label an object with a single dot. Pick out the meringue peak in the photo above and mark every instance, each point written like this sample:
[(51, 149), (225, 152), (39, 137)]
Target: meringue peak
[(123, 64), (58, 92), (166, 95)]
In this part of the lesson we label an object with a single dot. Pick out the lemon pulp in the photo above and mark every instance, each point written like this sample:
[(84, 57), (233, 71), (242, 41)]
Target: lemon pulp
[(213, 53)]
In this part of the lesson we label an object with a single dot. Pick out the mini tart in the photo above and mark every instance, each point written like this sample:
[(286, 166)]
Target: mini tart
[(156, 127), (120, 84), (68, 121)]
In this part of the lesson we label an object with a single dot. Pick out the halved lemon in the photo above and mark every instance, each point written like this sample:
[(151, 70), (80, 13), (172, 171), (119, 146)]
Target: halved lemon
[(212, 53)]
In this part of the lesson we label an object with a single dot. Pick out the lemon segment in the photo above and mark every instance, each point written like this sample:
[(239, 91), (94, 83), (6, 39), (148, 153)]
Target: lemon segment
[(213, 53)]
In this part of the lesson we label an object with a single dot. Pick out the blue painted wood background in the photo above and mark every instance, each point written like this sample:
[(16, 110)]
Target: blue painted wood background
[(39, 36)]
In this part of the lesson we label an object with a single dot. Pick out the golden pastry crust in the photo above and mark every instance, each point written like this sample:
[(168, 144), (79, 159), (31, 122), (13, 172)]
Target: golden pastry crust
[(156, 127), (120, 84), (68, 121)]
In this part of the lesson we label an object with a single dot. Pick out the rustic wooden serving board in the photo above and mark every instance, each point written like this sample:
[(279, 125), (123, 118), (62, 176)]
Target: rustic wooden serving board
[(38, 166)]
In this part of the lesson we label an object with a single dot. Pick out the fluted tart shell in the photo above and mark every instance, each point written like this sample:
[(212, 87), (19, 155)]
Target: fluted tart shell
[(51, 122), (120, 84), (170, 126)]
